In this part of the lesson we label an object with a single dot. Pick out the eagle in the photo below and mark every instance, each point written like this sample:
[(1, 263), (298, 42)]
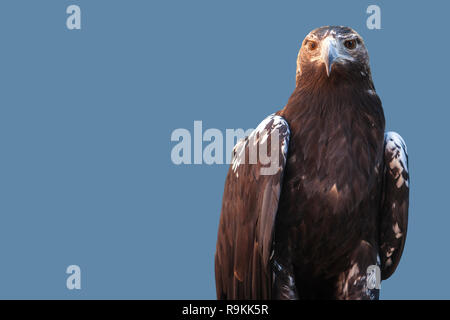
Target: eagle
[(330, 221)]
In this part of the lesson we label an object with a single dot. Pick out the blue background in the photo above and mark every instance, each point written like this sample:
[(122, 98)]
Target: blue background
[(86, 117)]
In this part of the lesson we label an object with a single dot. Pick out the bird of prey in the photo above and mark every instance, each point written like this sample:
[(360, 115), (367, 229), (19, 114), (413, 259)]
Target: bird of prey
[(337, 204)]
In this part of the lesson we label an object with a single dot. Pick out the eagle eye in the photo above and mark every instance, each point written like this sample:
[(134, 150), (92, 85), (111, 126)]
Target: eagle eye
[(312, 45), (350, 44)]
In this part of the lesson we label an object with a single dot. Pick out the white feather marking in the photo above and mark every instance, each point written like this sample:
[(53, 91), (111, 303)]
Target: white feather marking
[(390, 252), (260, 135), (397, 231), (354, 271), (238, 156)]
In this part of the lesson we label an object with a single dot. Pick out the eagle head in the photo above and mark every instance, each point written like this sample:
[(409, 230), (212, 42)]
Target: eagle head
[(333, 51)]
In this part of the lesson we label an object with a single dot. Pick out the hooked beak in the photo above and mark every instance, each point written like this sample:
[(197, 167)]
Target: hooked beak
[(329, 53)]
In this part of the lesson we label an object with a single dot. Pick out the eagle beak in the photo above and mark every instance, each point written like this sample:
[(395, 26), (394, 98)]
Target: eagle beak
[(329, 53)]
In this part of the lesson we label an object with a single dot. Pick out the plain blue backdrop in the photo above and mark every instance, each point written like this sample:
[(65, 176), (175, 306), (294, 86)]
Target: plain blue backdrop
[(86, 116)]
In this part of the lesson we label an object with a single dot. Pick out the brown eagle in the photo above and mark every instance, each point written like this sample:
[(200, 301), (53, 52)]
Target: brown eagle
[(330, 222)]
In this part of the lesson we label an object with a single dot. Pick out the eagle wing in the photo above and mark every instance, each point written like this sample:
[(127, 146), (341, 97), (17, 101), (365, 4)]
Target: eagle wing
[(395, 202), (249, 206)]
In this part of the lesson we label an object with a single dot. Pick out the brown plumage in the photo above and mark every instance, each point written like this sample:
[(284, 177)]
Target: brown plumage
[(339, 198)]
